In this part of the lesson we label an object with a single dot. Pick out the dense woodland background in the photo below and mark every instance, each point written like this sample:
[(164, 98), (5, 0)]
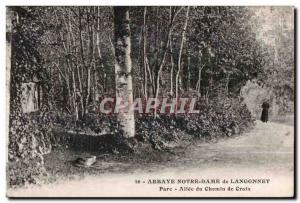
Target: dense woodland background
[(230, 58)]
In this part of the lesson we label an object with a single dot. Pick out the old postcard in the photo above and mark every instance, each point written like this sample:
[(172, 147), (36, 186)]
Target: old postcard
[(150, 101)]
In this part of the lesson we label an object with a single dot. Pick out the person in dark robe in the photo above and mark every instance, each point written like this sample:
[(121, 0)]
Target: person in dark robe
[(265, 111)]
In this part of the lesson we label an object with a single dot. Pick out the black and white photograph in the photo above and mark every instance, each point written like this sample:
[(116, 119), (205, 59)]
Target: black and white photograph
[(150, 101)]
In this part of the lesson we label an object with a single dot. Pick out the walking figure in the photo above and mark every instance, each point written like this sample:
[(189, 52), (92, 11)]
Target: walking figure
[(264, 115)]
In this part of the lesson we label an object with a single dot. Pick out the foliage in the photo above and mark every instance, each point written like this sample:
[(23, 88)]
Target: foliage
[(27, 60), (275, 32), (217, 119), (29, 140), (28, 133)]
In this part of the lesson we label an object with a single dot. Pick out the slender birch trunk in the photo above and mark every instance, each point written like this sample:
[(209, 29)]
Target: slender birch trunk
[(227, 83), (90, 65), (180, 51), (188, 73), (172, 60), (98, 37), (75, 103), (172, 70), (198, 86), (145, 54)]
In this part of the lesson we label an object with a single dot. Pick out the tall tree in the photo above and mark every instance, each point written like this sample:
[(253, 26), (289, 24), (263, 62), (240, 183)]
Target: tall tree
[(123, 69), (8, 47)]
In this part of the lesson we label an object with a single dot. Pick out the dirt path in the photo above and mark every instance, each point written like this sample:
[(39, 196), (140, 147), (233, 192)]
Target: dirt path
[(269, 146), (264, 153)]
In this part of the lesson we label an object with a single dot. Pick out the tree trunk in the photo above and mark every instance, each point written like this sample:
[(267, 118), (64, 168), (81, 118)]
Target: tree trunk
[(172, 60), (144, 55), (123, 69), (97, 72), (227, 83), (89, 66), (198, 85), (188, 82), (172, 69), (180, 51), (75, 102), (80, 97)]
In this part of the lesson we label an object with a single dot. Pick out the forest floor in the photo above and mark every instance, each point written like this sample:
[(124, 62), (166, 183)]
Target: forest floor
[(267, 151)]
